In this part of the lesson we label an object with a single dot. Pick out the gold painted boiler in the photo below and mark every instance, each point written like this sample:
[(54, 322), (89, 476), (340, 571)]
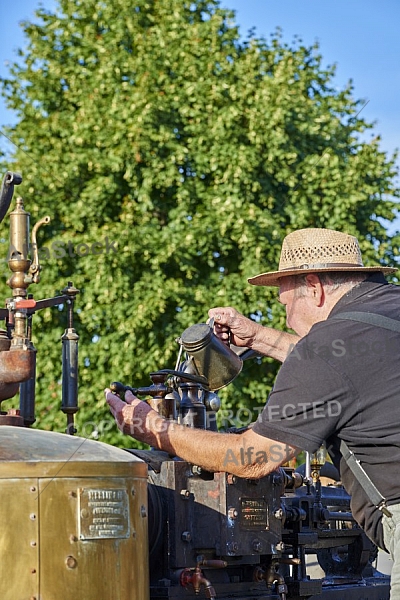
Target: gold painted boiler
[(73, 518)]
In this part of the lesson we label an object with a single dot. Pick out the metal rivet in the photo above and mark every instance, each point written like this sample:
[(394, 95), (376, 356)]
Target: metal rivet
[(33, 489), (32, 516), (33, 544), (72, 494), (33, 571), (73, 538), (143, 511), (71, 562)]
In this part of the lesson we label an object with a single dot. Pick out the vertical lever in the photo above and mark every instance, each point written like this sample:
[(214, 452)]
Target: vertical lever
[(69, 404), (27, 390)]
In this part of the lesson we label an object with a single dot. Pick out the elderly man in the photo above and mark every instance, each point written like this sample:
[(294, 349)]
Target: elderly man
[(339, 382)]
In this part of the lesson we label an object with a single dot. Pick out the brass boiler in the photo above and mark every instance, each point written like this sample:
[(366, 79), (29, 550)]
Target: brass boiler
[(73, 519), (73, 511)]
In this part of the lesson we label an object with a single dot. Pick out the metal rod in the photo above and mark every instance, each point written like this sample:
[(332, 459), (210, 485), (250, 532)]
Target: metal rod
[(27, 389), (69, 403)]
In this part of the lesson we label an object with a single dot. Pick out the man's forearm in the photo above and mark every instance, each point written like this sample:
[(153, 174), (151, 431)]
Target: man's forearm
[(274, 343), (247, 455)]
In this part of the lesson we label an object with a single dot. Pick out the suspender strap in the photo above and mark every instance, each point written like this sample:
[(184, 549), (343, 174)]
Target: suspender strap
[(370, 319), (354, 465), (363, 479)]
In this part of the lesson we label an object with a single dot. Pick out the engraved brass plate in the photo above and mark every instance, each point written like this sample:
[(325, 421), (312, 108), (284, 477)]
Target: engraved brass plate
[(103, 513), (254, 514)]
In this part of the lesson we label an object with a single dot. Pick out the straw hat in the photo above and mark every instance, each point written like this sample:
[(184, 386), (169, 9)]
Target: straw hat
[(317, 251)]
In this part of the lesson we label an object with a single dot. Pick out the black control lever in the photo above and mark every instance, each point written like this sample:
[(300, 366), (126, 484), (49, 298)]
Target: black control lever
[(7, 190)]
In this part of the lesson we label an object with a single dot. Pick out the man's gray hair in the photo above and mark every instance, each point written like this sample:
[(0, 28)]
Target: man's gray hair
[(331, 281)]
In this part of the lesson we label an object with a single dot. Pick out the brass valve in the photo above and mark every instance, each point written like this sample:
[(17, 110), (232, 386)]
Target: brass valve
[(25, 271), (195, 578), (318, 459)]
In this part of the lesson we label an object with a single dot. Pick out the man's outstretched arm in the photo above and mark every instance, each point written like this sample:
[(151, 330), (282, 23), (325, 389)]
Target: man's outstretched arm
[(247, 455)]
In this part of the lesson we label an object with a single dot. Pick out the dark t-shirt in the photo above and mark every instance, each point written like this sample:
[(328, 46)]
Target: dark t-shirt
[(342, 381)]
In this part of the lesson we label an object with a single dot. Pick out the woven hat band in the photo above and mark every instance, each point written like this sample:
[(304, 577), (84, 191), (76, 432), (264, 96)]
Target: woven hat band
[(306, 266)]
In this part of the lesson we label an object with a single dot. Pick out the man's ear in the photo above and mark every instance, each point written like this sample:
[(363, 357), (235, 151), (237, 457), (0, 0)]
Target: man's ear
[(315, 289)]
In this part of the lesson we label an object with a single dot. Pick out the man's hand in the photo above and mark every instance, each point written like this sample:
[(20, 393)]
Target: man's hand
[(231, 326), (134, 417)]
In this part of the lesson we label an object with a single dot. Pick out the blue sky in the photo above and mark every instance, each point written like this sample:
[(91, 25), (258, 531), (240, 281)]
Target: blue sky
[(360, 36)]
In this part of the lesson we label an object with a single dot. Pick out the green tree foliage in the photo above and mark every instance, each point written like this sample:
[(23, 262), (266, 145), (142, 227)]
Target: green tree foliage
[(153, 129)]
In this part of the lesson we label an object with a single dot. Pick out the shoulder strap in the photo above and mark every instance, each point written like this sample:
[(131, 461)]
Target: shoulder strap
[(363, 479), (370, 319)]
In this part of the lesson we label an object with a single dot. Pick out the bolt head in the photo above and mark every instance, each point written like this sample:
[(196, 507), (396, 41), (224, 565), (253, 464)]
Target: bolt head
[(186, 536), (232, 513), (280, 547), (233, 547)]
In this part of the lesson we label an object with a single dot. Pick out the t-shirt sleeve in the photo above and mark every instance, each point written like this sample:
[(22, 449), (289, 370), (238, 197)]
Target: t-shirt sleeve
[(306, 405)]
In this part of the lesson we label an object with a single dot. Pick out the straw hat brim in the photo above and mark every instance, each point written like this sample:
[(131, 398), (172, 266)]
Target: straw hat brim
[(272, 278)]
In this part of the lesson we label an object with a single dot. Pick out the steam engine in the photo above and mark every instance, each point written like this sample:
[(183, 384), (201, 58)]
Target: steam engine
[(81, 519), (220, 536)]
